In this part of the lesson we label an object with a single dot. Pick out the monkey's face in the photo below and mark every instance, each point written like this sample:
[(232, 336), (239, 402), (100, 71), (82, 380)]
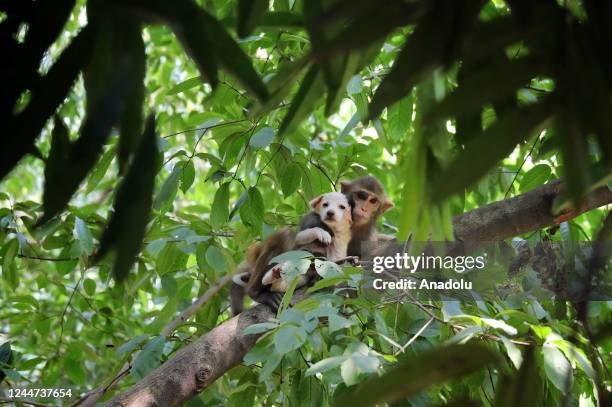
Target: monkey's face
[(366, 206), (332, 207)]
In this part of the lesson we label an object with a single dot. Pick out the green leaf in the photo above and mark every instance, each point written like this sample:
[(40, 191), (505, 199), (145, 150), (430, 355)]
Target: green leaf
[(90, 286), (492, 83), (327, 269), (100, 169), (280, 85), (190, 30), (281, 19), (54, 170), (490, 146), (83, 236), (399, 117), (524, 389), (105, 106), (203, 33), (149, 358), (216, 259), (252, 211), (263, 138), (74, 370), (433, 42), (418, 373), (129, 347), (380, 21), (535, 177), (6, 358), (292, 255), (185, 85), (259, 328), (219, 212), (9, 271), (131, 121), (557, 368), (341, 78), (289, 338), (290, 179), (187, 176), (127, 225), (165, 197), (325, 365), (169, 259), (304, 100), (249, 14), (169, 285)]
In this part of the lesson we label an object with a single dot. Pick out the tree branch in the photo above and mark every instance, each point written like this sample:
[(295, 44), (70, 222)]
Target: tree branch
[(197, 304), (199, 364), (522, 214)]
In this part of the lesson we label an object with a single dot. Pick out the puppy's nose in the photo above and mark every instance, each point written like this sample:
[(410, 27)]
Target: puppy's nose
[(330, 214)]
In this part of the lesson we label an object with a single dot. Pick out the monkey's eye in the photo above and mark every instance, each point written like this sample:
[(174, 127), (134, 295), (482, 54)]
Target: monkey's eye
[(374, 200), (325, 205), (342, 207), (362, 195)]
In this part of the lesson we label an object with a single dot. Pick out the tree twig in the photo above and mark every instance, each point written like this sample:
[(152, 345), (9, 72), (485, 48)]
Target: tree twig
[(197, 305)]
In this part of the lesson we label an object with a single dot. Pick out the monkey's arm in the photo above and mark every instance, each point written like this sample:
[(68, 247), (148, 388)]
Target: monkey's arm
[(312, 228), (313, 234)]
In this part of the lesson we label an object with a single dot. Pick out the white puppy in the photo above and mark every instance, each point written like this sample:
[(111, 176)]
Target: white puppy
[(325, 231)]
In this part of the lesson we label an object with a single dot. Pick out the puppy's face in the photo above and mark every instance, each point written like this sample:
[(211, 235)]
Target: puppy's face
[(332, 207)]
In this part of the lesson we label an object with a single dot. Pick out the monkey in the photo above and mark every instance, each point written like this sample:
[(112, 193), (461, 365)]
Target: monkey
[(325, 231), (368, 201)]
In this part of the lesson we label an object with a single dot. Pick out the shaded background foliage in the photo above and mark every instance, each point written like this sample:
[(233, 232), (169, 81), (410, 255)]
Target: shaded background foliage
[(255, 107)]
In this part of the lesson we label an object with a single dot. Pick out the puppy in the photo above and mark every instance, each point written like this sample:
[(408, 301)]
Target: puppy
[(325, 231)]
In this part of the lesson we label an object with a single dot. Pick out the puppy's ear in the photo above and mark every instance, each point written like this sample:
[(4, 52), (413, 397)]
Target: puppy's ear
[(314, 204), (387, 204), (344, 186)]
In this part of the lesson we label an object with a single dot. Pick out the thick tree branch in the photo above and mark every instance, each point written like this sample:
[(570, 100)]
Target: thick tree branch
[(199, 364), (522, 214)]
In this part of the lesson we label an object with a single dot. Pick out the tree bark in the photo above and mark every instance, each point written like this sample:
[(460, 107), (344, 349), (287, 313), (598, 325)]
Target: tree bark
[(199, 364), (522, 214)]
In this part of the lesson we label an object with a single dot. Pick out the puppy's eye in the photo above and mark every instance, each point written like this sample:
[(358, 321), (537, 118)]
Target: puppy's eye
[(342, 207), (325, 205)]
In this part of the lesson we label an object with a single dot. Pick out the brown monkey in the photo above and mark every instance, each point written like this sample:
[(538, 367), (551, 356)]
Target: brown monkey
[(368, 199)]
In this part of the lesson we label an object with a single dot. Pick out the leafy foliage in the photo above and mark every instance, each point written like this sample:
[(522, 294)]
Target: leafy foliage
[(260, 106)]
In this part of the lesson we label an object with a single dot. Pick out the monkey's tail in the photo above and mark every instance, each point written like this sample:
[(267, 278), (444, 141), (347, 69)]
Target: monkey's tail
[(238, 292)]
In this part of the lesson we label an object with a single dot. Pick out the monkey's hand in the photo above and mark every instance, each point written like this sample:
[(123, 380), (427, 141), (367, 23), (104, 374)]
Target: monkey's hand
[(310, 235), (353, 260)]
